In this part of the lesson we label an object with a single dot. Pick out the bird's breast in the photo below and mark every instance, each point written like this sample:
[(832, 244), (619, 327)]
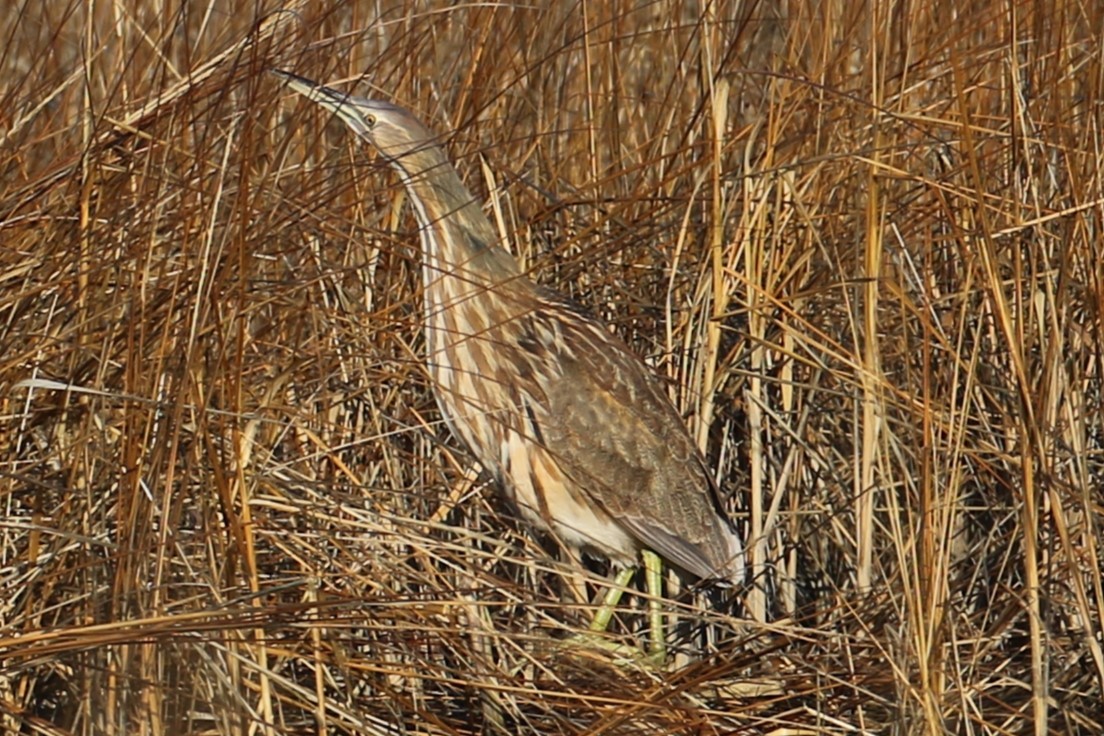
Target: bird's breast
[(489, 366)]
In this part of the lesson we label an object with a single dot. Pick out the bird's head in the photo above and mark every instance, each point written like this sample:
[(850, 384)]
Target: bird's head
[(395, 132)]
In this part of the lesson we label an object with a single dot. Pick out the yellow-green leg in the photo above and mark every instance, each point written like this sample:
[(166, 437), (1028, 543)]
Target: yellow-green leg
[(604, 614), (653, 579)]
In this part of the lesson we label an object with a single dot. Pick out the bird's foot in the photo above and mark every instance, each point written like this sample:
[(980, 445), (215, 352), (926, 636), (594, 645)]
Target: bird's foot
[(591, 643)]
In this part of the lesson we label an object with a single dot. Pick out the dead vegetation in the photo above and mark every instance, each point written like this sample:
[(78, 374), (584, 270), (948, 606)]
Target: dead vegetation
[(862, 240)]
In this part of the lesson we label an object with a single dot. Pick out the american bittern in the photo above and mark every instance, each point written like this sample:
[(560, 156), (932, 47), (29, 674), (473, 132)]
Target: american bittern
[(570, 422)]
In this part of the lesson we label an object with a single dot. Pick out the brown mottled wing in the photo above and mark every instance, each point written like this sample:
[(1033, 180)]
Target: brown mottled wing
[(608, 423)]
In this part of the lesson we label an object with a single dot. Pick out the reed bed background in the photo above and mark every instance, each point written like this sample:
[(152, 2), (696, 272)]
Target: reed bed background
[(863, 241)]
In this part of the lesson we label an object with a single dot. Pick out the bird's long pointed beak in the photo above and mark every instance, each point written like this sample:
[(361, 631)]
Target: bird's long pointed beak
[(339, 103)]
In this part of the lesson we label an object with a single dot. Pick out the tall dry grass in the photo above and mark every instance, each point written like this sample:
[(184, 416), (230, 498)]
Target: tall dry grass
[(862, 240)]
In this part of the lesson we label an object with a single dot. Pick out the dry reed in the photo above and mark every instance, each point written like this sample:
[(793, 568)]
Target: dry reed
[(862, 240)]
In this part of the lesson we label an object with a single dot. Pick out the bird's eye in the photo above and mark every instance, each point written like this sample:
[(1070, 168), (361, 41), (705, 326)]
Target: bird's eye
[(370, 121)]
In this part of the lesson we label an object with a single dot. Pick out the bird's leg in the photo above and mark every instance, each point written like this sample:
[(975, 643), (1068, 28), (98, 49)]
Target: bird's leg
[(602, 616), (594, 636), (653, 578)]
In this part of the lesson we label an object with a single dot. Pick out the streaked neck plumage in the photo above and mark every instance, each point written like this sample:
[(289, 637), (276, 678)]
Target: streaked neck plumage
[(457, 238), (467, 277)]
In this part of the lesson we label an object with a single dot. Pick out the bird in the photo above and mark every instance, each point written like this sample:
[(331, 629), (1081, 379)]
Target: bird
[(577, 431)]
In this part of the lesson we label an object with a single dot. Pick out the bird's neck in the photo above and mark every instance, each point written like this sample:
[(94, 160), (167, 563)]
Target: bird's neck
[(463, 267), (457, 238)]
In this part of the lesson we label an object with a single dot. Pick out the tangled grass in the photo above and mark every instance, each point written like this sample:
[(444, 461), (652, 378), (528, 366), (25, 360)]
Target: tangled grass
[(863, 241)]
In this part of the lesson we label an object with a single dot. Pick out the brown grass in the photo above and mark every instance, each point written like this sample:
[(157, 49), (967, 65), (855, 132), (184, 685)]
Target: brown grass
[(863, 242)]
